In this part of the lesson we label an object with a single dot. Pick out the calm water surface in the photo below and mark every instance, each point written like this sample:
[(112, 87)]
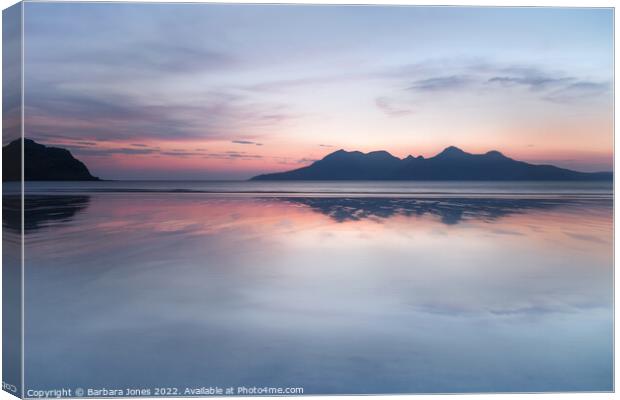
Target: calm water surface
[(478, 289)]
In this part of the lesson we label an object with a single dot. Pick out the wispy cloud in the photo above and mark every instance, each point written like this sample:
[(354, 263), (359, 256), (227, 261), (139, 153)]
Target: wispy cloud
[(181, 153), (143, 150), (246, 142), (54, 111), (484, 77), (387, 106), (534, 83), (536, 79), (578, 91), (134, 84), (306, 160), (102, 152), (233, 155), (441, 83)]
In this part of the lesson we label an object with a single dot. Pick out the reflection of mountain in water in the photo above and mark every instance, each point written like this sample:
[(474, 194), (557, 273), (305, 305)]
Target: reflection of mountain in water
[(41, 211), (451, 211)]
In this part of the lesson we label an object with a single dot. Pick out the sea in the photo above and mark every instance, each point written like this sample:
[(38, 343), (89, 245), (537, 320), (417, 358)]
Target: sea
[(332, 287)]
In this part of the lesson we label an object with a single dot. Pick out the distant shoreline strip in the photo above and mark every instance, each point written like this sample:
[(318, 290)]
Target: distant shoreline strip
[(326, 193)]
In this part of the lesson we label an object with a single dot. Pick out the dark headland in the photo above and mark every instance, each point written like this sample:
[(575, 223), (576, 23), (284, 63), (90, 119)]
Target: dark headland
[(451, 164), (42, 163)]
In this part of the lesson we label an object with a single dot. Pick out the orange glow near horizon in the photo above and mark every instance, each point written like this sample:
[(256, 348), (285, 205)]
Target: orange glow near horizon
[(544, 140), (246, 159), (243, 163)]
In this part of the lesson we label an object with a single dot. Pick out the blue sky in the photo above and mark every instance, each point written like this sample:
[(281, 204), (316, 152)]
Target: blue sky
[(228, 91)]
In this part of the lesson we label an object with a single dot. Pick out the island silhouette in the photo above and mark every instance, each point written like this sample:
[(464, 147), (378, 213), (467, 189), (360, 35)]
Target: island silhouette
[(452, 164), (42, 163)]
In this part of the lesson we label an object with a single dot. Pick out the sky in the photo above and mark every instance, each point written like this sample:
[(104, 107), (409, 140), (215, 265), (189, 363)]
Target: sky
[(217, 91)]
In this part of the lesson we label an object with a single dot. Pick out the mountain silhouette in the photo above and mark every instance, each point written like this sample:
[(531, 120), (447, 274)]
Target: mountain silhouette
[(451, 164), (42, 163)]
